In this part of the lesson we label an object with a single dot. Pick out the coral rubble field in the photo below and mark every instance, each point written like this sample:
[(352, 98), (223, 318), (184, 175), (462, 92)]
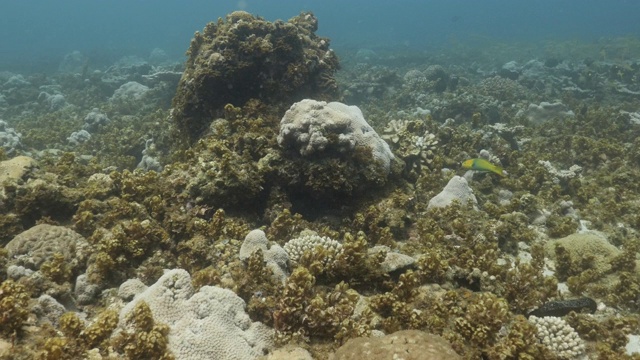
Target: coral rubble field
[(273, 197)]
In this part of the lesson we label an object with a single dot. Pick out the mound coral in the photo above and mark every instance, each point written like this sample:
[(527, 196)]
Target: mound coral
[(244, 57)]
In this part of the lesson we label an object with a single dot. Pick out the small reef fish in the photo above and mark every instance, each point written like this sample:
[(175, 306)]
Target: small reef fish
[(483, 165)]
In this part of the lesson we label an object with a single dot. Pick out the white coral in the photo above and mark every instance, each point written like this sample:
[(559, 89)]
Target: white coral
[(317, 128), (208, 324), (309, 241), (558, 175), (457, 189), (558, 337)]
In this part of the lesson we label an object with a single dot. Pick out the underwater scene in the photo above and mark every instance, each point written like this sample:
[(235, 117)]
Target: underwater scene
[(328, 180)]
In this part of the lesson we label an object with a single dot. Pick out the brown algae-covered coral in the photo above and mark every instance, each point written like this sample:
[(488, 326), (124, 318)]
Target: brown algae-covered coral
[(14, 306), (243, 57)]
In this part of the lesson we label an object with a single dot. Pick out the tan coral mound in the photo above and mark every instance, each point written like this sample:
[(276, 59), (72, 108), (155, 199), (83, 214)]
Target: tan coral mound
[(405, 344)]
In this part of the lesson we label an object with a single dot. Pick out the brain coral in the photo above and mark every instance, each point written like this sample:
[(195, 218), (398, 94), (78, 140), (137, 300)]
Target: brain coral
[(208, 324), (326, 129), (245, 57), (38, 244)]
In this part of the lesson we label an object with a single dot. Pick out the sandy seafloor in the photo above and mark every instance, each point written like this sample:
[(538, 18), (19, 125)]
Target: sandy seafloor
[(90, 150)]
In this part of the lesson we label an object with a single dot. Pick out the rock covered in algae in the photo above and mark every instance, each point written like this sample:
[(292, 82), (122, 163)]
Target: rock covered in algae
[(393, 261), (16, 168), (586, 245), (546, 111), (316, 128), (405, 344), (275, 257), (208, 324), (245, 57), (457, 189)]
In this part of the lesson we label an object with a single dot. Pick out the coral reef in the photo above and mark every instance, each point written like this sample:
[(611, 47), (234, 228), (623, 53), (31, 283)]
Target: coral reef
[(276, 257), (9, 138), (308, 242), (413, 143), (43, 243), (328, 152), (303, 229)]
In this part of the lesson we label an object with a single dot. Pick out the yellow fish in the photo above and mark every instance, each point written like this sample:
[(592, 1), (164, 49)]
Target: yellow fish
[(483, 165)]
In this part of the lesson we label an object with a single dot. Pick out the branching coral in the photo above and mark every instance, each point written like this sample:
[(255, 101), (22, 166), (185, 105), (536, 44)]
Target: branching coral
[(559, 337), (412, 142)]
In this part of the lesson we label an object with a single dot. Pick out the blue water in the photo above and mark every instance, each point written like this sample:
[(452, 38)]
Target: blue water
[(39, 32)]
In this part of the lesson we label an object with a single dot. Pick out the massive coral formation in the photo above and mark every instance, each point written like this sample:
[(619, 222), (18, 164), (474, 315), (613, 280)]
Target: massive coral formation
[(244, 57)]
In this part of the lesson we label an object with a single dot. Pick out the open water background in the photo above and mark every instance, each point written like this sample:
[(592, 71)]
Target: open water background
[(36, 34)]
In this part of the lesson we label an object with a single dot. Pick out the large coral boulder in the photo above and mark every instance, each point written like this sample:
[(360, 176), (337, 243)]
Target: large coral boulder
[(245, 57), (207, 324), (39, 244), (332, 129), (330, 152)]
